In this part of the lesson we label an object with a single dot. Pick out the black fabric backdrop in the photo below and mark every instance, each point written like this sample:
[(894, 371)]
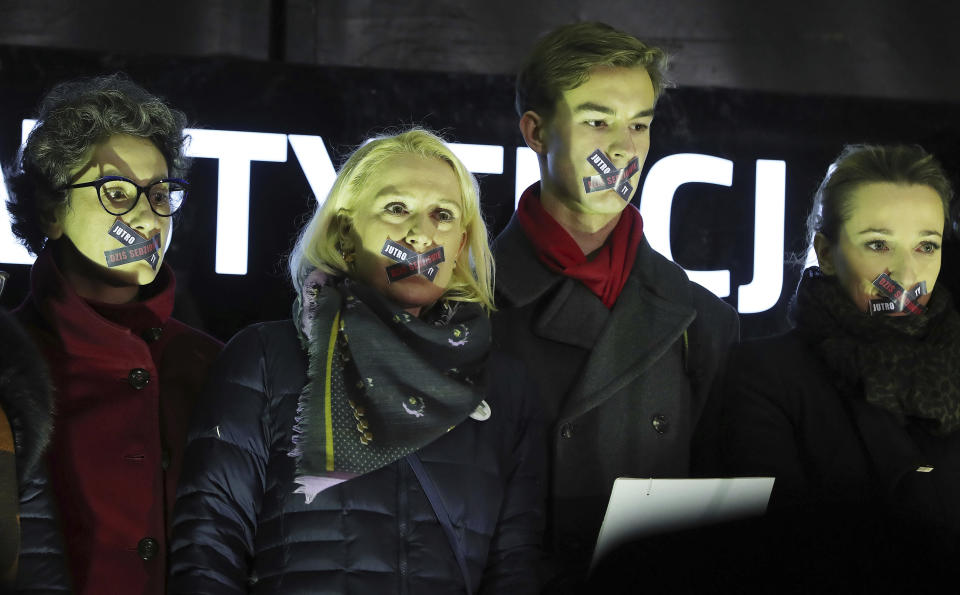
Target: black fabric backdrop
[(712, 226)]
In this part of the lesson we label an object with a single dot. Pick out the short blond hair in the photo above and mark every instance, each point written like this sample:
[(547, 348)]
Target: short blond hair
[(318, 246)]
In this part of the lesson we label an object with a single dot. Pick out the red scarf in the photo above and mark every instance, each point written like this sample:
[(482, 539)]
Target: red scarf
[(607, 273)]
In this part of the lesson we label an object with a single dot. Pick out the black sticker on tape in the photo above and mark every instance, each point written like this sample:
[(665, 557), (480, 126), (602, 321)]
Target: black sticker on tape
[(601, 163), (411, 263), (148, 250), (895, 298), (124, 233), (136, 247), (608, 176)]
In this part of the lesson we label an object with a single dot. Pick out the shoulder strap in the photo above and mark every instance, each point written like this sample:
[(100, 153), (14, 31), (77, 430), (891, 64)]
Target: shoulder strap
[(433, 495)]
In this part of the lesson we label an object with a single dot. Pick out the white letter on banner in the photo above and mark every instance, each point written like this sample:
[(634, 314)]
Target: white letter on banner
[(479, 159), (26, 127), (315, 163), (528, 171), (763, 292), (235, 150), (317, 166), (12, 251), (656, 204)]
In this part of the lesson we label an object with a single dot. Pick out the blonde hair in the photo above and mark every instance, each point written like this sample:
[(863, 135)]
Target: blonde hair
[(318, 246)]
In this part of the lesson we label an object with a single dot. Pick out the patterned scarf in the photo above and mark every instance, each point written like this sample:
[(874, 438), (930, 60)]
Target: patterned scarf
[(908, 365), (382, 382)]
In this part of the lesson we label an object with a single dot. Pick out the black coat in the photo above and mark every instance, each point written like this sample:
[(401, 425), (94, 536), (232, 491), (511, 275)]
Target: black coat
[(238, 525), (784, 417), (850, 498), (622, 389), (26, 400)]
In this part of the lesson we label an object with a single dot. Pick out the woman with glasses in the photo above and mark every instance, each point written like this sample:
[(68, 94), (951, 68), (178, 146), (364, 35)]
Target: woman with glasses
[(92, 194), (374, 444)]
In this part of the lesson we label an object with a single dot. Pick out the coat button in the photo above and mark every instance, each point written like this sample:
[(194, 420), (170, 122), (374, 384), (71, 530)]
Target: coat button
[(165, 458), (138, 378), (152, 334), (147, 548), (660, 423), (566, 431)]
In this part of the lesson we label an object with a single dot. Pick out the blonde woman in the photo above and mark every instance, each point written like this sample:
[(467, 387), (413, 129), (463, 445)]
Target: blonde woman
[(372, 444)]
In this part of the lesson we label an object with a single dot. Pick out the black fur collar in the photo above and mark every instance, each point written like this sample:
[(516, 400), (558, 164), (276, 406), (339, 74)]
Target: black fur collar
[(25, 393)]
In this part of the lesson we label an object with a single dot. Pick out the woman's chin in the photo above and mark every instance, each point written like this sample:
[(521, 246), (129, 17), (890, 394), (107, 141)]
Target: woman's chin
[(414, 293)]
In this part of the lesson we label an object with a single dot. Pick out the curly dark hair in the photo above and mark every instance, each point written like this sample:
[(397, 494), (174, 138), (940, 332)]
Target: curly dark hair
[(72, 118)]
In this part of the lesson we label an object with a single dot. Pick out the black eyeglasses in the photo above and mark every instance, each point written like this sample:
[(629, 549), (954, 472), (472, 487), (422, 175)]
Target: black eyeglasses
[(118, 195)]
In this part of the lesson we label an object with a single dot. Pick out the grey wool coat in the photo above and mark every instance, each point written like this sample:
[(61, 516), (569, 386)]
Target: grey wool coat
[(622, 389)]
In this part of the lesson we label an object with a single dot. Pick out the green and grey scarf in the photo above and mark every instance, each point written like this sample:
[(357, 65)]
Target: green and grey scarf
[(382, 383)]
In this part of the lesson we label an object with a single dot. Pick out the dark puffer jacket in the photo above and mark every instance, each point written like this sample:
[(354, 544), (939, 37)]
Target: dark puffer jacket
[(239, 528), (26, 400)]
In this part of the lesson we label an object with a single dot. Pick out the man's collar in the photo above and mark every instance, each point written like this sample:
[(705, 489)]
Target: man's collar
[(522, 278)]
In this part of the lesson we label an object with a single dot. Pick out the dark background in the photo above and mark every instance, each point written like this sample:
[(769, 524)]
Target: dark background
[(267, 90)]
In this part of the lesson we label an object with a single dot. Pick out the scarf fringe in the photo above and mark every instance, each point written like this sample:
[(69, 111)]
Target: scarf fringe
[(310, 483)]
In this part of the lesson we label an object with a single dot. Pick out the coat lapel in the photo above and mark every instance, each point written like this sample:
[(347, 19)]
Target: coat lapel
[(645, 322), (640, 329), (573, 316), (521, 277)]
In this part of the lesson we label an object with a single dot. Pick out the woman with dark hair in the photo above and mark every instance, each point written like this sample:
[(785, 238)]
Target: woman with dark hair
[(373, 444), (856, 411), (93, 193)]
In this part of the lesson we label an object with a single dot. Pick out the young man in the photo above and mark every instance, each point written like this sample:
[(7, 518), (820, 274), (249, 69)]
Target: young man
[(92, 194), (624, 347)]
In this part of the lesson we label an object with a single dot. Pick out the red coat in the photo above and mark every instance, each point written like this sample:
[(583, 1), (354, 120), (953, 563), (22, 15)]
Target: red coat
[(126, 378)]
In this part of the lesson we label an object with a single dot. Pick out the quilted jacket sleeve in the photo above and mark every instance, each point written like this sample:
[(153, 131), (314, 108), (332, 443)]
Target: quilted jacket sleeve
[(516, 547), (42, 566), (223, 476)]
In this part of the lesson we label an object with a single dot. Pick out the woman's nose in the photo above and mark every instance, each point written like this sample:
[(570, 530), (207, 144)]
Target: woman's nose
[(420, 233), (142, 218), (905, 272)]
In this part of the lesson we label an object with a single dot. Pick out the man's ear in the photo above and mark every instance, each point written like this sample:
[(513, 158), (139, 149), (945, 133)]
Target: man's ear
[(824, 250), (533, 129)]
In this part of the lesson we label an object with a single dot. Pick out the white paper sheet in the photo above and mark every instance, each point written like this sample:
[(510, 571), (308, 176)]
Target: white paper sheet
[(643, 507)]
